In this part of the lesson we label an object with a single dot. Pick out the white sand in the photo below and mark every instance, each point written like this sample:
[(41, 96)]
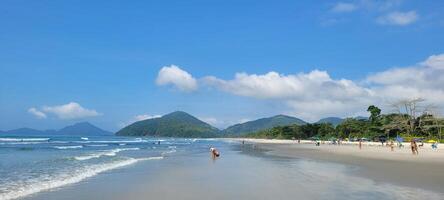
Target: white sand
[(369, 149)]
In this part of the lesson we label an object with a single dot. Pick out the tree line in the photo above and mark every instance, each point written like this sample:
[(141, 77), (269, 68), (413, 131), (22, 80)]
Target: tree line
[(407, 124)]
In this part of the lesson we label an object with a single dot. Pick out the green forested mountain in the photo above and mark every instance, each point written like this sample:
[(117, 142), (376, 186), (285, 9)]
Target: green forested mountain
[(262, 124), (176, 124), (332, 120)]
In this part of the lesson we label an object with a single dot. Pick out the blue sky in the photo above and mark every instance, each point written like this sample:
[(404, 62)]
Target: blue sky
[(67, 61)]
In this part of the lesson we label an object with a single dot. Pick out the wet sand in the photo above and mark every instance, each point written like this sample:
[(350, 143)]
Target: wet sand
[(400, 167)]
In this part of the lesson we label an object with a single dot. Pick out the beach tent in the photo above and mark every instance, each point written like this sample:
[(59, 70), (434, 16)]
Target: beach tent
[(431, 141), (314, 138)]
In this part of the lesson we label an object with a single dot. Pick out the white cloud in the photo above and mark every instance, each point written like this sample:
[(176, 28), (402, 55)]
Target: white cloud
[(309, 95), (315, 94), (177, 77), (303, 86), (37, 113), (425, 80), (380, 5), (398, 18), (138, 118), (145, 116), (434, 61), (344, 7), (71, 110)]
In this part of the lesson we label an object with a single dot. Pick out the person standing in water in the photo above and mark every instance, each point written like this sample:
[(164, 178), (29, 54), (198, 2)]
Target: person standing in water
[(214, 152)]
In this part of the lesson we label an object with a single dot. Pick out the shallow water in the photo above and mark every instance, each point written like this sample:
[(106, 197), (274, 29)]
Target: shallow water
[(137, 168)]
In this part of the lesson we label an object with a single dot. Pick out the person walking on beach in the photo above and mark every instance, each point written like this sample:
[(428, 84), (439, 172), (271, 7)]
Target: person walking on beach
[(392, 145), (435, 146), (360, 143), (414, 147)]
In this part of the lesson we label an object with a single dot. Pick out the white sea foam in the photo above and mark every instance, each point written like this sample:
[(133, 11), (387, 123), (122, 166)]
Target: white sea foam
[(98, 145), (168, 152), (23, 139), (84, 138), (153, 158), (68, 147), (112, 152), (20, 143), (27, 187), (114, 141)]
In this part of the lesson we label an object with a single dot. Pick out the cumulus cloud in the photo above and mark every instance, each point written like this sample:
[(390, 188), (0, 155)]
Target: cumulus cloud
[(398, 18), (145, 116), (37, 113), (316, 94), (138, 118), (423, 80), (70, 110), (173, 75), (344, 7), (303, 86), (310, 94)]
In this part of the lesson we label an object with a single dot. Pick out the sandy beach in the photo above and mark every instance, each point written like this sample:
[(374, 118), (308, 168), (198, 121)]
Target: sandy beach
[(373, 160), (264, 169)]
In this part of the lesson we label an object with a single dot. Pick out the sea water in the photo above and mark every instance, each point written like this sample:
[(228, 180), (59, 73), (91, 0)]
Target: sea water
[(30, 165)]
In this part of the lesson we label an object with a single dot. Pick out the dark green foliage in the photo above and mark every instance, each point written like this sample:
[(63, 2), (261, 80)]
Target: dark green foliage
[(375, 114), (389, 125), (296, 131), (262, 124), (176, 124)]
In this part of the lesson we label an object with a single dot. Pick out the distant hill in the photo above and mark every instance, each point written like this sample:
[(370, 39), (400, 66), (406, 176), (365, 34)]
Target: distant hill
[(332, 120), (176, 124), (81, 129), (262, 124), (361, 118), (23, 131)]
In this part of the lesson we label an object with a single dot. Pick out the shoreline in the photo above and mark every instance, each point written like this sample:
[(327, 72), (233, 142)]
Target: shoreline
[(425, 171)]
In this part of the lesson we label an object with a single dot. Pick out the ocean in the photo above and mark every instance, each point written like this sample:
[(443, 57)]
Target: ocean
[(30, 165), (109, 167)]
